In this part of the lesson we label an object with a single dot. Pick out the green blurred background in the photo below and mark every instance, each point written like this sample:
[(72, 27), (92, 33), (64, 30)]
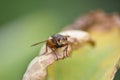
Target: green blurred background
[(24, 22)]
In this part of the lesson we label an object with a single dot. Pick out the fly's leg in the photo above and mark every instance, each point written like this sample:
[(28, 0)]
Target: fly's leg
[(55, 53), (66, 52), (46, 49)]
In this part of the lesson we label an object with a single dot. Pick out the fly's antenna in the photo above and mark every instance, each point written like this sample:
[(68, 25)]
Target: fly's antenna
[(38, 43)]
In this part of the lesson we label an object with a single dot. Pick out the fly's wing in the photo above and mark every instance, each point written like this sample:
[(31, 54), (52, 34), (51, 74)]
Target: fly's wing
[(38, 43)]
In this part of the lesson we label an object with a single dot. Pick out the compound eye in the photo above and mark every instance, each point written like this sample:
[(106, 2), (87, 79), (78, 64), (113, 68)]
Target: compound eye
[(58, 40)]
